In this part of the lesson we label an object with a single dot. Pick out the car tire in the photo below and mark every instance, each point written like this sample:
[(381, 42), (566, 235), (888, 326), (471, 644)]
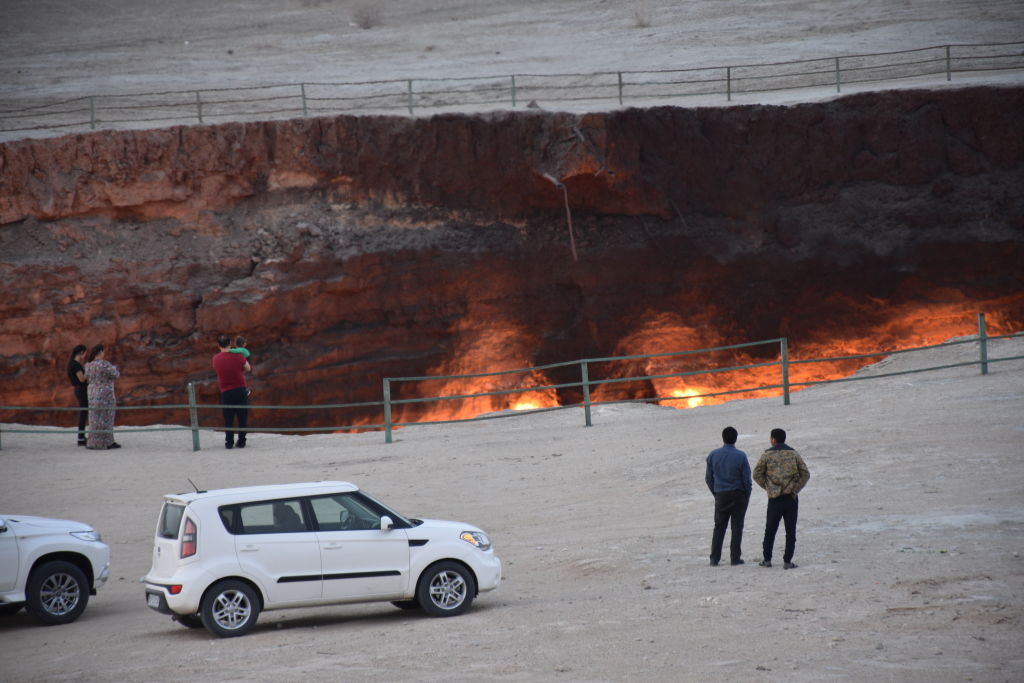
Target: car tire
[(189, 620), (57, 593), (229, 608), (406, 604), (446, 589)]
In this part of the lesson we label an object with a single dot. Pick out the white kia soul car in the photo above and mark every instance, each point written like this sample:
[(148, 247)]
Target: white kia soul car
[(50, 567), (221, 557)]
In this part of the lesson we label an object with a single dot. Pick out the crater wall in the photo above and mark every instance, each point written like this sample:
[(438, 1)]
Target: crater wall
[(349, 249)]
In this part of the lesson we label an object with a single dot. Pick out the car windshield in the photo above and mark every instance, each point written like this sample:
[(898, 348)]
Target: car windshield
[(399, 520)]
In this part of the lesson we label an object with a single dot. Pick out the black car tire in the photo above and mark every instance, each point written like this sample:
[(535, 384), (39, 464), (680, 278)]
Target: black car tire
[(229, 608), (57, 593), (446, 589)]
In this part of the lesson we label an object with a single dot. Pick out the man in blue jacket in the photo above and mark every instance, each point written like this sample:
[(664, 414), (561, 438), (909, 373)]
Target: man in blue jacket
[(728, 477)]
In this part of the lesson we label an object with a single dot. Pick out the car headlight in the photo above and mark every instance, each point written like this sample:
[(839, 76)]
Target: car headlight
[(89, 535), (477, 538)]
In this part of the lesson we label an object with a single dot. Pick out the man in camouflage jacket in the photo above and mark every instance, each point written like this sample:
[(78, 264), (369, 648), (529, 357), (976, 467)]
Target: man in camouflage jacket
[(781, 472)]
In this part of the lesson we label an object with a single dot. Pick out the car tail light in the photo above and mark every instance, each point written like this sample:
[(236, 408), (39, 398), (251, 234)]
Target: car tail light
[(175, 589), (188, 539)]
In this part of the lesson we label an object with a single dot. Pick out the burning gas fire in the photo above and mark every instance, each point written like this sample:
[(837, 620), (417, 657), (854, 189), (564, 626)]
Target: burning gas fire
[(495, 345)]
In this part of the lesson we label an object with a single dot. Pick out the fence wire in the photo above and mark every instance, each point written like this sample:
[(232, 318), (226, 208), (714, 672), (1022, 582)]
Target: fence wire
[(487, 93)]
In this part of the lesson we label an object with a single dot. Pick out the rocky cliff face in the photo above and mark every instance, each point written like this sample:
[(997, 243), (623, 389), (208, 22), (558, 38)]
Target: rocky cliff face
[(350, 249)]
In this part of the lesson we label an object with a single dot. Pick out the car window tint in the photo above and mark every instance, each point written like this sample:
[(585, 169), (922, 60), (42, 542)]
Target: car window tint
[(170, 520), (271, 517), (343, 512)]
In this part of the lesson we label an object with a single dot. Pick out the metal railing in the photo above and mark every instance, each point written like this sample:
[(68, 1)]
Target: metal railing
[(586, 383), (412, 95)]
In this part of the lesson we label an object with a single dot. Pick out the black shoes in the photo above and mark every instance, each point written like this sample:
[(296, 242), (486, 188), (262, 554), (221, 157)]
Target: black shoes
[(81, 443), (113, 446), (737, 562), (714, 563), (240, 444), (229, 446), (768, 563)]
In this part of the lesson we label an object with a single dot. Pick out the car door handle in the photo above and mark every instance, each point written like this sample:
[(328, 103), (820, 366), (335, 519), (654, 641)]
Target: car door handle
[(249, 548), (333, 546)]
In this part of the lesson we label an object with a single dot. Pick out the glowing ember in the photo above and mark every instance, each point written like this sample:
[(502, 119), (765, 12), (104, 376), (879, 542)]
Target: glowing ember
[(526, 405)]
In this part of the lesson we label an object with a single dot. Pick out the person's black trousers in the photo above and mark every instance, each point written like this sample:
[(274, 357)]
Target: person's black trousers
[(236, 399), (82, 394), (783, 508), (730, 509)]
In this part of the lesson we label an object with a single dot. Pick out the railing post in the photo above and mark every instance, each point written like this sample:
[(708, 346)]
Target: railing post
[(409, 82), (92, 113), (513, 91), (784, 348), (387, 410), (728, 83), (199, 107), (837, 74), (193, 418), (305, 111), (983, 343), (586, 392), (620, 88), (948, 69)]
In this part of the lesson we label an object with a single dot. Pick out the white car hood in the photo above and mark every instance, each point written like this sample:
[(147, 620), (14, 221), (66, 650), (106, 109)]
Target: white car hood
[(442, 524), (30, 524)]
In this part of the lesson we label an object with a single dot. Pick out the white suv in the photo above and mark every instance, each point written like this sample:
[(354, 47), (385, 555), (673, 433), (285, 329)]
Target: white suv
[(50, 567), (221, 557)]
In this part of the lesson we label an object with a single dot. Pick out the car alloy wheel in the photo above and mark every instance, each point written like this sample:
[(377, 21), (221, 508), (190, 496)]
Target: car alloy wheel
[(446, 589), (57, 593), (230, 608)]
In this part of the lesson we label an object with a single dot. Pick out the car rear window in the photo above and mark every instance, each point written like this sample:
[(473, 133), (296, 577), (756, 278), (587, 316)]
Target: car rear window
[(170, 520), (264, 517)]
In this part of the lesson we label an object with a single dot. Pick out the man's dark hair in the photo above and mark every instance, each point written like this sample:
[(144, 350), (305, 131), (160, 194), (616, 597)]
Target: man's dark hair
[(729, 435), (223, 341), (779, 435)]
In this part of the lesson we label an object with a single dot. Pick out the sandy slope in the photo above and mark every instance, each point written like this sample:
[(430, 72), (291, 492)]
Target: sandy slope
[(909, 544)]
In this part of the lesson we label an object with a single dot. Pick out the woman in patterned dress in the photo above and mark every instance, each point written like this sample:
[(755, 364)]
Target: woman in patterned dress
[(101, 374)]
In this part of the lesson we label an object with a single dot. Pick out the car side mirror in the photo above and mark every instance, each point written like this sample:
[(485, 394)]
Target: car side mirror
[(386, 523)]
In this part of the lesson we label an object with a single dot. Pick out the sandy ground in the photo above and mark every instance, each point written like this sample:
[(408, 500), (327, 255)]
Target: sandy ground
[(909, 552)]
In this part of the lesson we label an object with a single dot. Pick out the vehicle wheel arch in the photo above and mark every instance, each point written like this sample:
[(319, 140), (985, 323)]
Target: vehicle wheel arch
[(234, 577), (462, 563), (77, 559)]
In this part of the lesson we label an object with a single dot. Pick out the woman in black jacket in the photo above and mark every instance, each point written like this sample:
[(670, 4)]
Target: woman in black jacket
[(76, 373)]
